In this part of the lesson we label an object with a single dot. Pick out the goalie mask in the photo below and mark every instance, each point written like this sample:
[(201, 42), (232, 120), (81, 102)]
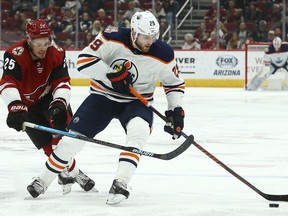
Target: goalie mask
[(277, 43), (144, 23)]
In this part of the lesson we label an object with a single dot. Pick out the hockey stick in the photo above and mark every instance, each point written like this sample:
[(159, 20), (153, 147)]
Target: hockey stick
[(265, 195), (167, 156)]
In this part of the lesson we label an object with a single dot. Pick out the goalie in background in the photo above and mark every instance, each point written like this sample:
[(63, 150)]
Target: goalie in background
[(276, 57)]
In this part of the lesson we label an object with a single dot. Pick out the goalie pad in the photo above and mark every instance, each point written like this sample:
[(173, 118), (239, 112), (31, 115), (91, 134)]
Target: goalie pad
[(257, 80), (255, 83)]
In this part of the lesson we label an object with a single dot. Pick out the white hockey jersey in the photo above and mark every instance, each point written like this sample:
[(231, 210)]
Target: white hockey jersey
[(112, 48), (277, 58)]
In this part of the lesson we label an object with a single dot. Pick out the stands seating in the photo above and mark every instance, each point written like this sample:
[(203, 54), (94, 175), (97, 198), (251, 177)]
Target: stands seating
[(231, 26)]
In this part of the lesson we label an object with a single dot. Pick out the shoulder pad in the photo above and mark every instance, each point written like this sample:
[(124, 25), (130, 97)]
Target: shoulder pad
[(117, 34), (162, 51)]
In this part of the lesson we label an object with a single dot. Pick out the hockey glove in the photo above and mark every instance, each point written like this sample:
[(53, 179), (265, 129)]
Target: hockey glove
[(17, 114), (121, 80), (175, 123), (58, 113)]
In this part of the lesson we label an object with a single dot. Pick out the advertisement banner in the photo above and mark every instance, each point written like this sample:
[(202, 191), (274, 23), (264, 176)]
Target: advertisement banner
[(211, 64), (193, 64)]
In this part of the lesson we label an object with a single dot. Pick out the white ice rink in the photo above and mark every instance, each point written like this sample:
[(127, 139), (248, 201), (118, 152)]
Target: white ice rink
[(247, 131)]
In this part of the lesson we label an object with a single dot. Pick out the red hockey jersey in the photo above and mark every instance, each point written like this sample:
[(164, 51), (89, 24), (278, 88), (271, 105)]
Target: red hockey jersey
[(34, 79)]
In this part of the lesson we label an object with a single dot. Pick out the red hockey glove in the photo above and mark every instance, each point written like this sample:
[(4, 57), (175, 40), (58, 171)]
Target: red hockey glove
[(121, 80), (175, 123), (58, 113), (17, 114)]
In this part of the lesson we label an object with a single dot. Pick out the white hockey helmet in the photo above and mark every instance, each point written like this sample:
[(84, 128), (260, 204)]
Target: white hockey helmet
[(277, 43), (145, 23)]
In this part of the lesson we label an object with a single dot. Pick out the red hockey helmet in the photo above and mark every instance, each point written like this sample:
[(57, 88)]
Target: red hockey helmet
[(37, 28)]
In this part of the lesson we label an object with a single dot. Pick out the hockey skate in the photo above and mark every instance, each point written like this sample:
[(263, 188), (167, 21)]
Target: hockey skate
[(37, 187), (84, 181), (66, 181), (118, 192)]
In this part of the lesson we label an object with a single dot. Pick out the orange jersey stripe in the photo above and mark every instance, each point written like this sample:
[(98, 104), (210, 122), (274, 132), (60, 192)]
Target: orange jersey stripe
[(130, 155), (85, 60), (55, 165)]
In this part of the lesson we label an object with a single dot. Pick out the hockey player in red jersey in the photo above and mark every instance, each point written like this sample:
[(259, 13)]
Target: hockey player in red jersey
[(116, 59), (36, 87)]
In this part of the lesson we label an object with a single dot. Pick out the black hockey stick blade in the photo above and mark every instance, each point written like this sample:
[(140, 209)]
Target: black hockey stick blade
[(266, 196), (166, 156)]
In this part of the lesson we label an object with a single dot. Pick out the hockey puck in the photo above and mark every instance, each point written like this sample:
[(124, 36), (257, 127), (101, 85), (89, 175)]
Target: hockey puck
[(273, 205)]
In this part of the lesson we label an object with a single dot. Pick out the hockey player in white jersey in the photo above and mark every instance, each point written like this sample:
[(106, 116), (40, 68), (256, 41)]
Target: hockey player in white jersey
[(117, 58), (276, 57)]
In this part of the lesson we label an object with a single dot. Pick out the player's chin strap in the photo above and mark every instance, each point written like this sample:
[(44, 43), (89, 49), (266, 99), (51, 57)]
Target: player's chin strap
[(166, 156), (266, 196)]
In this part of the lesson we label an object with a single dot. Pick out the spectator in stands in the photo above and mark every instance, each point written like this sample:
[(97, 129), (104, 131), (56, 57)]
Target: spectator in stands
[(202, 33), (96, 28), (95, 5), (252, 14), (278, 32), (159, 12), (234, 42), (53, 16), (85, 8), (85, 23), (222, 32), (131, 10), (23, 5), (15, 27), (88, 39), (275, 16), (104, 19), (51, 12), (233, 14), (242, 33), (249, 38), (211, 14), (121, 21), (68, 45), (271, 36), (211, 43), (68, 21), (72, 3), (191, 43), (14, 23), (170, 7), (261, 33), (161, 17)]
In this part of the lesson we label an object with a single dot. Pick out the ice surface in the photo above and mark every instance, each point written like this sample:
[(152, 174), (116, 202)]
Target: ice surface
[(247, 131)]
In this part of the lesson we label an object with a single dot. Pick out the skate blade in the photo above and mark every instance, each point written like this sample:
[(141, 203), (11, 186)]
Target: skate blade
[(115, 199), (66, 189), (28, 197)]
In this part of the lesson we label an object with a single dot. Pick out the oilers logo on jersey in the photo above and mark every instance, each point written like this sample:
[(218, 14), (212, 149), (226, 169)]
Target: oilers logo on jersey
[(130, 66)]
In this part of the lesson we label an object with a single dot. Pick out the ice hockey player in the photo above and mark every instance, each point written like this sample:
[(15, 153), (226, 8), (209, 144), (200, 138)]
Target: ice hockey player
[(276, 57), (116, 59), (36, 87)]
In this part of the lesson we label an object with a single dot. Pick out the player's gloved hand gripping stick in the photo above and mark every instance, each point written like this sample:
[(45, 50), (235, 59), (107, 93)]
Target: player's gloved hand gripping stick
[(266, 196)]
